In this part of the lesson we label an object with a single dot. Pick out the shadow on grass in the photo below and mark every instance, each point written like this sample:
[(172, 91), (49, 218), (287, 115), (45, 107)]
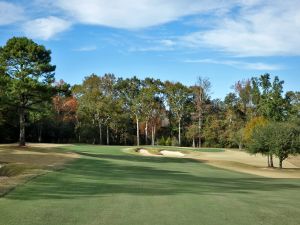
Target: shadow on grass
[(101, 175)]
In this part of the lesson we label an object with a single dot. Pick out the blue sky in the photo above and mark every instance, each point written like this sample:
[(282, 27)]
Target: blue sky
[(175, 40)]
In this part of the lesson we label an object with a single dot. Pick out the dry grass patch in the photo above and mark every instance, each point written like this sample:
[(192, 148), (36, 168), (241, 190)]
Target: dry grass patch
[(20, 164), (295, 160), (255, 170), (235, 160), (252, 164)]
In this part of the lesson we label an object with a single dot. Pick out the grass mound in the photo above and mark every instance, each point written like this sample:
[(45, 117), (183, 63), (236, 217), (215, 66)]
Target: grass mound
[(10, 170), (19, 165)]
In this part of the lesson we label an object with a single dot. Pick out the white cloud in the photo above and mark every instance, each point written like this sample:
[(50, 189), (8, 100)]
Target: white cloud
[(235, 27), (238, 64), (133, 14), (267, 29), (10, 13), (45, 28), (86, 49), (167, 42), (154, 46)]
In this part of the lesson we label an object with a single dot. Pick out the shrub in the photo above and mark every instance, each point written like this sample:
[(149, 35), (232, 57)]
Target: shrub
[(280, 139), (175, 141), (168, 141), (161, 141)]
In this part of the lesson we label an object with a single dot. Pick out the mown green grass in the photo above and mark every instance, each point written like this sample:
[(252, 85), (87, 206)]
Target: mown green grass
[(108, 186)]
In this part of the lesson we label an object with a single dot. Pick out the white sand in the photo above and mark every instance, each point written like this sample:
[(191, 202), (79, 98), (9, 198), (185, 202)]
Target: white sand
[(145, 152), (172, 153), (165, 153)]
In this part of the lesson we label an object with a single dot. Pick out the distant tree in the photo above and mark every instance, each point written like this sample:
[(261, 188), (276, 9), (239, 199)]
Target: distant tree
[(259, 142), (201, 95), (3, 95), (64, 104), (130, 92), (252, 124), (286, 140), (112, 105), (192, 133), (234, 119), (157, 114), (293, 104), (271, 105), (243, 89), (40, 114), (214, 130), (151, 100), (282, 139), (238, 138), (91, 106), (177, 96), (255, 95), (29, 74)]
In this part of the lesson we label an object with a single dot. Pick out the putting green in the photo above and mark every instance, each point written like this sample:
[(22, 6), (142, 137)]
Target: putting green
[(108, 186)]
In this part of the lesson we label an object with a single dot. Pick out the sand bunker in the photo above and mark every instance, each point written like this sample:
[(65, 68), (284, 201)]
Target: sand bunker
[(172, 153), (145, 152), (163, 153)]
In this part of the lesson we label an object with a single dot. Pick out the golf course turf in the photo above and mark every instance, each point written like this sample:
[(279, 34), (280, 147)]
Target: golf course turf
[(108, 186)]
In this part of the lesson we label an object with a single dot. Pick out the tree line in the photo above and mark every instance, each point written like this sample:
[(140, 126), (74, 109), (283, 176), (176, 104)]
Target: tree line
[(112, 110)]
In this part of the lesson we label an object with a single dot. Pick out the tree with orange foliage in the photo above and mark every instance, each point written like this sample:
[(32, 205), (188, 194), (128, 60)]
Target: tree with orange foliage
[(252, 124)]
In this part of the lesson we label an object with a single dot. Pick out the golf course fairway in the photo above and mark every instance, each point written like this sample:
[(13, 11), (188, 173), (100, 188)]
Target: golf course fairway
[(108, 186)]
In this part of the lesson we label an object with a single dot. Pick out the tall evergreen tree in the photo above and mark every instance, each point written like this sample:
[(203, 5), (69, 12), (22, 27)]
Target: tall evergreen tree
[(30, 75)]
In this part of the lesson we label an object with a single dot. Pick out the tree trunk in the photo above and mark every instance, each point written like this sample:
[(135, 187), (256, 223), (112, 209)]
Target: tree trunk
[(194, 142), (107, 135), (280, 163), (179, 133), (152, 135), (146, 133), (100, 132), (40, 133), (79, 135), (240, 146), (269, 165), (137, 132), (271, 161), (22, 127), (199, 128)]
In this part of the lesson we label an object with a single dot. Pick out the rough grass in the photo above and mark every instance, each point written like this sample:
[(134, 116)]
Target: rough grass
[(10, 170), (20, 164), (109, 186)]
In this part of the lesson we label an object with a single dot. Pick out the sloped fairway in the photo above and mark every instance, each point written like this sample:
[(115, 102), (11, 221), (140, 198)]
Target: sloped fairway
[(107, 186)]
